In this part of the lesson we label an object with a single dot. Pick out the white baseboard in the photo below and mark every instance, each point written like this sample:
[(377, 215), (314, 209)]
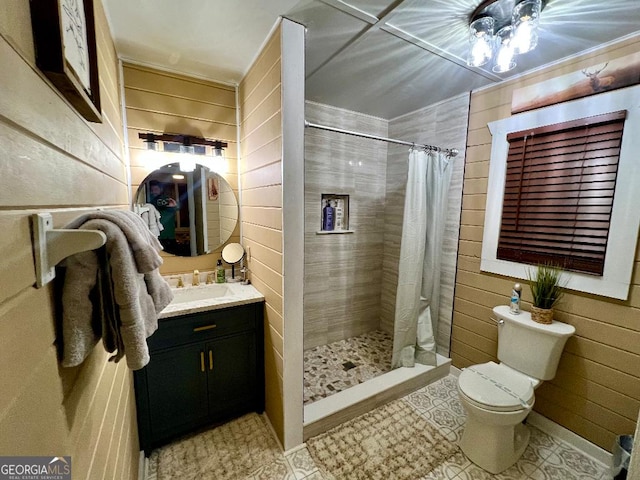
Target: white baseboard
[(558, 431), (143, 464)]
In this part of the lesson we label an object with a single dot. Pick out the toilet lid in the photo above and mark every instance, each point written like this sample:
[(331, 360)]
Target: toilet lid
[(496, 387)]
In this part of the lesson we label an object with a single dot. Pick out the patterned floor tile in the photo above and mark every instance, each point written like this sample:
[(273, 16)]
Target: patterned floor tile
[(543, 444), (302, 464), (546, 458), (420, 400), (315, 476), (473, 472), (277, 470), (571, 463)]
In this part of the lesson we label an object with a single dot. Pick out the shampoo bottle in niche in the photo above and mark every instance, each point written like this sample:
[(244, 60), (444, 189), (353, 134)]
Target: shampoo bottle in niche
[(328, 216), (514, 307), (220, 275), (339, 214)]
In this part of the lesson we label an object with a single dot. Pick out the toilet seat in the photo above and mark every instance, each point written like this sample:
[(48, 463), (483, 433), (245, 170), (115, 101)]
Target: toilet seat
[(495, 387)]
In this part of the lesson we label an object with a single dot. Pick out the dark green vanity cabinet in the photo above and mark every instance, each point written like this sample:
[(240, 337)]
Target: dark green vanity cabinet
[(205, 367)]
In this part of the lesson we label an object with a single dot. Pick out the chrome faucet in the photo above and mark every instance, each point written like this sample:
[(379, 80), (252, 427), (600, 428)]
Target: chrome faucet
[(195, 279)]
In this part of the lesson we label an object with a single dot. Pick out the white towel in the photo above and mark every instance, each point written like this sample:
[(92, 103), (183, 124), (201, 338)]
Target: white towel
[(151, 217)]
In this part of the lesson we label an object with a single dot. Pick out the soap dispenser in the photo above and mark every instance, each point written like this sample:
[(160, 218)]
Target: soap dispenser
[(516, 293), (220, 274)]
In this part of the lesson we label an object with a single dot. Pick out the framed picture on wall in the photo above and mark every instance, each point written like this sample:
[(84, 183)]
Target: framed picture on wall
[(64, 36), (212, 187)]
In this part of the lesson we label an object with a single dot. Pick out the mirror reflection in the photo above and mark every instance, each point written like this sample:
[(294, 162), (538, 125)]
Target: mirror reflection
[(192, 213)]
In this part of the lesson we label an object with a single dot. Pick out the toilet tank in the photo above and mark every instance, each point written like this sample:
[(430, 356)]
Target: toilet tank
[(530, 347)]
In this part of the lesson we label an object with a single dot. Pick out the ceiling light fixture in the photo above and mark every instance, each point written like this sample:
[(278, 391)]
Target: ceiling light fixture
[(187, 150), (501, 29)]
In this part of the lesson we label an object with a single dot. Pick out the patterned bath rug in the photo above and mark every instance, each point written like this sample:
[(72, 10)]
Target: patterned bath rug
[(392, 442), (231, 451)]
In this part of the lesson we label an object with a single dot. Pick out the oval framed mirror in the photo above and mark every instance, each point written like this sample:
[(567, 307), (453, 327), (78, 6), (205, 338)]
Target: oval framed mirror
[(197, 211)]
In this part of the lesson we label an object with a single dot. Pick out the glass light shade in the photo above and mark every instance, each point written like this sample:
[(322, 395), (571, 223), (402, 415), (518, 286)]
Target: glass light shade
[(480, 41), (505, 56), (525, 20), (187, 158)]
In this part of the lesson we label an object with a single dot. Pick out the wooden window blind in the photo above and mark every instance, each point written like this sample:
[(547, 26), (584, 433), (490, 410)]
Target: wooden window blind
[(559, 188)]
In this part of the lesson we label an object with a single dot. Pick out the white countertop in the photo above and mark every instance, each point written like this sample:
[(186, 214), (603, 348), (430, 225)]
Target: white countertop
[(234, 294)]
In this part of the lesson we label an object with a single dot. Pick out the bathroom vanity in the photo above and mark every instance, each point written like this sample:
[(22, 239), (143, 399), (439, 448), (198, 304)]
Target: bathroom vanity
[(207, 364)]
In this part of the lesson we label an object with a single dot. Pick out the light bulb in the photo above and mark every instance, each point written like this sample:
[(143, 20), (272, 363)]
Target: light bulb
[(505, 57), (480, 41), (525, 19), (481, 52), (186, 158), (187, 163)]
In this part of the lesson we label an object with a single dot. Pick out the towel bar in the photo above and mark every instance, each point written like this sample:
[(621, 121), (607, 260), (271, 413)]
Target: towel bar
[(54, 245)]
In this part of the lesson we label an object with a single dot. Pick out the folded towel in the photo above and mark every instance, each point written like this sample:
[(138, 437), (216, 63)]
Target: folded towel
[(112, 293)]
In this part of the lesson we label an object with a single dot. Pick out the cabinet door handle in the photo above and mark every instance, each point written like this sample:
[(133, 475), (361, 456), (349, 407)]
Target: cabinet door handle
[(206, 327), (210, 359), (202, 361)]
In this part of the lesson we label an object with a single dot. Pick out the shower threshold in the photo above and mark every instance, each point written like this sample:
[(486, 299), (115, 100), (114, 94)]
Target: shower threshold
[(326, 413)]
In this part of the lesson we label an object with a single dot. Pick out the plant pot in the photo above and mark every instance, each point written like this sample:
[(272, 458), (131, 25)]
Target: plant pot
[(541, 315)]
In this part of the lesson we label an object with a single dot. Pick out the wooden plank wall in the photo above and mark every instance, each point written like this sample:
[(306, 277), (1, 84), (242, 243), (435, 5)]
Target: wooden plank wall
[(161, 102), (596, 392), (52, 160), (260, 102)]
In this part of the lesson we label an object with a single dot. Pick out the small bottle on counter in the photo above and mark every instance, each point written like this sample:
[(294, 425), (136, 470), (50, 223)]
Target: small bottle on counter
[(220, 274), (514, 307)]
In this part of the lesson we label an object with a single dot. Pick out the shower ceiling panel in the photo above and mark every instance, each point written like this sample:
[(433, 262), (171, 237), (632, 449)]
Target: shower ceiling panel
[(380, 57), (415, 55), (328, 30), (392, 81)]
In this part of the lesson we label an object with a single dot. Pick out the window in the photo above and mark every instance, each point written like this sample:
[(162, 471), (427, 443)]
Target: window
[(624, 222), (559, 189)]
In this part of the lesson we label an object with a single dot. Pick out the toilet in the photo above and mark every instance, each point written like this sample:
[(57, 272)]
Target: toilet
[(498, 396)]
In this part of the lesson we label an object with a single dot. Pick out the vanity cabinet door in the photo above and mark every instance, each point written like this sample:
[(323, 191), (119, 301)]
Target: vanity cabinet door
[(232, 375), (177, 390)]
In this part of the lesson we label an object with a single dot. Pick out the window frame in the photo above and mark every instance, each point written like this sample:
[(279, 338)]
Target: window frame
[(537, 155), (625, 216)]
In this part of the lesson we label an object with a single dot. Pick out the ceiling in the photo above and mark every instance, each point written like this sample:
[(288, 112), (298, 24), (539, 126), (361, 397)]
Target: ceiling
[(379, 57)]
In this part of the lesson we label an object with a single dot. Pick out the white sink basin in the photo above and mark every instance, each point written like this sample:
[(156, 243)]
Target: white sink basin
[(215, 296), (186, 295)]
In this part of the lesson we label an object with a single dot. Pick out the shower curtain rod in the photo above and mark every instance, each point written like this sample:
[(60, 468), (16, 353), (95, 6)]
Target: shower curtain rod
[(452, 152)]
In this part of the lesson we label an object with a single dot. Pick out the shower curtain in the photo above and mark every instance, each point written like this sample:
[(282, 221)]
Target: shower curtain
[(419, 270)]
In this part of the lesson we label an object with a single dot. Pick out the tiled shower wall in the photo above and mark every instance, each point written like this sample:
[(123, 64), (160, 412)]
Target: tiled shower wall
[(443, 124), (343, 272)]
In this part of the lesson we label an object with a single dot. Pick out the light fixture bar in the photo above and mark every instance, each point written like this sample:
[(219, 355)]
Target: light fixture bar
[(186, 140)]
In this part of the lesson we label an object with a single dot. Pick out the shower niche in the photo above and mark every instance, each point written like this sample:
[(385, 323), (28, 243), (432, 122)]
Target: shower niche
[(334, 214)]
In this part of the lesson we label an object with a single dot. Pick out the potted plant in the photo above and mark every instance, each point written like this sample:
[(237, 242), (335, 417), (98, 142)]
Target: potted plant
[(546, 287)]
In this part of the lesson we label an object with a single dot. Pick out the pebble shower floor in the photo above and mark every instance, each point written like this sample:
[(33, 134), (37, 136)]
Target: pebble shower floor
[(335, 367)]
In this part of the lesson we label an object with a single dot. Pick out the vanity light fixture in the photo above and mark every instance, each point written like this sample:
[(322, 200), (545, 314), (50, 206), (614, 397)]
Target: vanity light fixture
[(501, 29), (189, 150)]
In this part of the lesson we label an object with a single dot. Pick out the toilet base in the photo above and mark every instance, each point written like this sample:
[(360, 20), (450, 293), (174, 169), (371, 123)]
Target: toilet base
[(493, 448)]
